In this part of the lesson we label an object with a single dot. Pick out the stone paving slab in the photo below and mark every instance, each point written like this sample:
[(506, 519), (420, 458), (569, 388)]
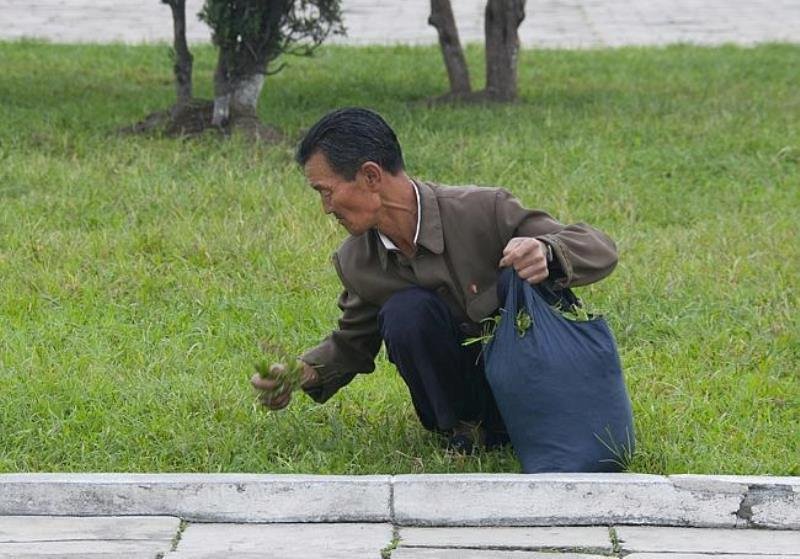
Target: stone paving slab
[(50, 528), (207, 497), (283, 541), (28, 537), (560, 499), (548, 23), (596, 538), (429, 553), (699, 540), (138, 549)]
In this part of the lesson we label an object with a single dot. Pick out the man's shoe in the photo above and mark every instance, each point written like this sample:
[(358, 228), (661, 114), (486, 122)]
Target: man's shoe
[(461, 443), (465, 437)]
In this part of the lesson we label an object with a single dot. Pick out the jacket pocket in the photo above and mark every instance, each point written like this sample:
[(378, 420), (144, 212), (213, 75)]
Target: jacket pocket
[(482, 304)]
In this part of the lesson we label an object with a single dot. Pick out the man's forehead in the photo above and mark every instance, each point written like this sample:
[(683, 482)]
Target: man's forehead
[(319, 172), (317, 167)]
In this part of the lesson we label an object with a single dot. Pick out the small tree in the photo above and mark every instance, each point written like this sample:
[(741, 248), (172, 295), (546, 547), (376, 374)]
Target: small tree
[(501, 24), (249, 35)]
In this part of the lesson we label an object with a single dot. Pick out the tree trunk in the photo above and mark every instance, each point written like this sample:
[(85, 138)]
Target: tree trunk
[(183, 58), (236, 100), (442, 19), (503, 18), (235, 97), (244, 95), (222, 89)]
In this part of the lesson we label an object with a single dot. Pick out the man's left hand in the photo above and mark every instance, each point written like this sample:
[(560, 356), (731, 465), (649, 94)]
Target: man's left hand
[(528, 256)]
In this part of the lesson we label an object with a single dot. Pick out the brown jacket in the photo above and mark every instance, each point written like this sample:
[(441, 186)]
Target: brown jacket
[(463, 231)]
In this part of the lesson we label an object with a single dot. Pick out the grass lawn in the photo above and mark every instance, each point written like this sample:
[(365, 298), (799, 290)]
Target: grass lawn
[(138, 275)]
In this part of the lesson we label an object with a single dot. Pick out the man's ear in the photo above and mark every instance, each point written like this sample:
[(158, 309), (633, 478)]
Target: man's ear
[(372, 174)]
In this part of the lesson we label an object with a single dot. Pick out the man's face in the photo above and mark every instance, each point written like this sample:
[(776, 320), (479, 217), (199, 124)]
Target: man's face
[(353, 203)]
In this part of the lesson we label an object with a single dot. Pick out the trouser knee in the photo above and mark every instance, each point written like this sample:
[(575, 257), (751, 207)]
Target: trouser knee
[(410, 315)]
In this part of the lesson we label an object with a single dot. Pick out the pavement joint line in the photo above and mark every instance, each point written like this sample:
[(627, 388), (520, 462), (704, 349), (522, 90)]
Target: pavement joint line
[(616, 548), (178, 535), (392, 516), (386, 552)]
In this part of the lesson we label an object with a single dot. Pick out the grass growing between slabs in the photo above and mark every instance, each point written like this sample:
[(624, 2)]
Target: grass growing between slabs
[(139, 274)]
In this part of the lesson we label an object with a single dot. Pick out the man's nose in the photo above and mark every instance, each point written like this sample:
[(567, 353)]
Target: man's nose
[(327, 206)]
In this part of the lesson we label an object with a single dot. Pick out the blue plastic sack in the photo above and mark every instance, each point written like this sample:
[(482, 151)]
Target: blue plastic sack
[(558, 385)]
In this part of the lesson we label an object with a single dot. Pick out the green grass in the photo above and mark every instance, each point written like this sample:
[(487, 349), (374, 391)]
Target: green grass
[(138, 275)]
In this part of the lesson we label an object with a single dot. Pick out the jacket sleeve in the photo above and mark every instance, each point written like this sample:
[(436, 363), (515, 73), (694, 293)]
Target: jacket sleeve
[(347, 351), (585, 254)]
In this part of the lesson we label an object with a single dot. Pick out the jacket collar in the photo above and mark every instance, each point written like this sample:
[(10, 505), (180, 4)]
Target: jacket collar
[(430, 226)]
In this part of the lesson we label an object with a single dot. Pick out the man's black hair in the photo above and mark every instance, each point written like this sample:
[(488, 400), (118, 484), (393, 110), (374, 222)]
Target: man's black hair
[(349, 137)]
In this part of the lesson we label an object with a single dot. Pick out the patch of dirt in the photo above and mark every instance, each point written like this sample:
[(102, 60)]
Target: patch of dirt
[(194, 118)]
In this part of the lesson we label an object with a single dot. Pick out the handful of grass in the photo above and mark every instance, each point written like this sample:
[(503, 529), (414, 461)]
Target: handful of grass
[(287, 371)]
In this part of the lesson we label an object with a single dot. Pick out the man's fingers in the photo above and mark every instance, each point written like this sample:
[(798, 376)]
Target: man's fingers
[(522, 253), (534, 274), (265, 384), (512, 245), (511, 255), (275, 401)]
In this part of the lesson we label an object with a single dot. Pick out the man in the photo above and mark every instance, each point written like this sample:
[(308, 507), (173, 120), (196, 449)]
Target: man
[(419, 272)]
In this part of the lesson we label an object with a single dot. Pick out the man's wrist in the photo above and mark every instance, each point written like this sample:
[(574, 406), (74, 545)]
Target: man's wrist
[(547, 250), (310, 376), (554, 266)]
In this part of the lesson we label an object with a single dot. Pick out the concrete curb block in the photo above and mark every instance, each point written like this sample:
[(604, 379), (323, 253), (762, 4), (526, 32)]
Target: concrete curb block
[(200, 497), (417, 500), (589, 499)]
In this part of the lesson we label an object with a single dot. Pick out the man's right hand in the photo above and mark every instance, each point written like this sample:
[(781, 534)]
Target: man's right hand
[(273, 394)]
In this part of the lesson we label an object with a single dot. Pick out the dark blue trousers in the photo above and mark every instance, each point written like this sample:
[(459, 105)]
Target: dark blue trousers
[(445, 378)]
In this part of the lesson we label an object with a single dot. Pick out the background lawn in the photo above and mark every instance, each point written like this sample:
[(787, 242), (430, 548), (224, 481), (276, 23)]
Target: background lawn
[(138, 275)]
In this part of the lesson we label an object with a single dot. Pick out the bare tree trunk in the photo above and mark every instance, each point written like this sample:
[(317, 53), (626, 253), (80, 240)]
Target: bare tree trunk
[(245, 94), (183, 58), (235, 96), (503, 18), (442, 19), (222, 89)]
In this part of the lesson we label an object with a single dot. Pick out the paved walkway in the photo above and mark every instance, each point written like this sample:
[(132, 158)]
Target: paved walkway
[(26, 537), (549, 23)]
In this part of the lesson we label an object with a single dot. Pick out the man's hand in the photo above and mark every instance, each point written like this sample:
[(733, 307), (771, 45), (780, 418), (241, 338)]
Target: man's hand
[(276, 395), (528, 256)]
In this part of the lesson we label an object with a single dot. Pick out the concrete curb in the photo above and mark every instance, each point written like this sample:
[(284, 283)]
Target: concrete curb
[(200, 497), (417, 500)]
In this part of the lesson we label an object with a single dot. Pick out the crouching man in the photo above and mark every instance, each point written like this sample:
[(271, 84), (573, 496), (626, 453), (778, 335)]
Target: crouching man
[(419, 271)]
